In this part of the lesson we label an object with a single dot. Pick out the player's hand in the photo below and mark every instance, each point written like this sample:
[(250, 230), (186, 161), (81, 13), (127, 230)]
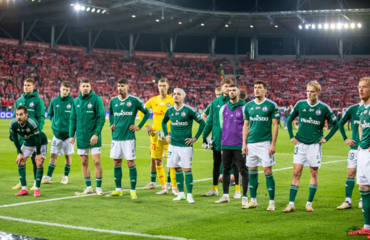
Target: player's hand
[(168, 138), (295, 141), (245, 150), (322, 140), (20, 159), (94, 140), (113, 127), (11, 137), (359, 148), (72, 140), (150, 130), (190, 141), (272, 150), (134, 128), (350, 142), (39, 159)]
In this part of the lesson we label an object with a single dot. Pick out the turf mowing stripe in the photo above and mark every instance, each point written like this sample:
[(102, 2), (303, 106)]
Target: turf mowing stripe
[(92, 229), (124, 190)]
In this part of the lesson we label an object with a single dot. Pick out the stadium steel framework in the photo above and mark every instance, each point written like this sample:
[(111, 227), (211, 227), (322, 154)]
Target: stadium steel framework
[(130, 18)]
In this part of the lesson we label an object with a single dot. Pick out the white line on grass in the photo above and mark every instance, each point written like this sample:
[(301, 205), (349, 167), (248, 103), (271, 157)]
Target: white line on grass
[(124, 190), (92, 229)]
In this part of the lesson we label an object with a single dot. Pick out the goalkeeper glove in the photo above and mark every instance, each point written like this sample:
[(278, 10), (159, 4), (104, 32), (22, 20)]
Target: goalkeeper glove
[(161, 136), (205, 144)]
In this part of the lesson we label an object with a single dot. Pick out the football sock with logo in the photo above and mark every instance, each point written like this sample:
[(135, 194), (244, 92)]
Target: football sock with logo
[(161, 175), (39, 173), (311, 192), (270, 184), (293, 193), (118, 176), (133, 177), (88, 182), (350, 184), (99, 181), (180, 180), (189, 181), (67, 169), (50, 170), (153, 176), (22, 175), (253, 183)]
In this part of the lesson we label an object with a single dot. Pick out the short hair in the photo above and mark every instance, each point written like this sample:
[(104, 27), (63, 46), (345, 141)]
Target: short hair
[(123, 81), (85, 80), (22, 108), (367, 79), (30, 80), (66, 84), (169, 90), (262, 83), (234, 85), (226, 81), (182, 91), (243, 94), (315, 84), (218, 89), (163, 80)]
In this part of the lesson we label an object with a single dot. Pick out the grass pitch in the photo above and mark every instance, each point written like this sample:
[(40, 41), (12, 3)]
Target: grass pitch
[(153, 216)]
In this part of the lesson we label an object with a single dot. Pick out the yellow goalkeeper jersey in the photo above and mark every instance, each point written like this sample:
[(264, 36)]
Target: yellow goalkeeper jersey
[(159, 106)]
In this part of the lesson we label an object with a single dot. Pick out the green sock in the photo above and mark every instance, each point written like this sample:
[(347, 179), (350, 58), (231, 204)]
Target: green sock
[(153, 176), (168, 176), (189, 181), (133, 177), (180, 180), (118, 176), (311, 193), (270, 184), (350, 184), (253, 182), (67, 168), (99, 182), (88, 181), (39, 173), (50, 170), (366, 205), (293, 192), (22, 175)]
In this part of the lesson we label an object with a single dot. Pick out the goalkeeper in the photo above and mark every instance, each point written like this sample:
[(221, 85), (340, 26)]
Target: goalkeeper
[(158, 144)]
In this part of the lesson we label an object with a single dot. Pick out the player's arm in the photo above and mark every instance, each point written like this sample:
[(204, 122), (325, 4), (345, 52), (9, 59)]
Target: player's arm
[(14, 134), (342, 122), (144, 110), (209, 123), (245, 130), (165, 120), (100, 117), (202, 124), (51, 111), (40, 114), (333, 120), (293, 114), (359, 131), (148, 105), (111, 117), (72, 124), (275, 115), (206, 113)]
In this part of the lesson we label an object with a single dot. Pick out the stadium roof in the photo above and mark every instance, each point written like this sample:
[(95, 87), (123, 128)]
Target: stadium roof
[(158, 17)]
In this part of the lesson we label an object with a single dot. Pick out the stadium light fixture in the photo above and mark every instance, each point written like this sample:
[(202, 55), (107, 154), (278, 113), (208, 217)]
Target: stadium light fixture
[(77, 7), (276, 26), (93, 10), (353, 25), (87, 9), (181, 23), (202, 24), (157, 20), (300, 26), (332, 26), (72, 4), (226, 25), (98, 11), (104, 11), (251, 26), (326, 26), (307, 26), (339, 26), (319, 26), (313, 26), (133, 16), (359, 25), (82, 8), (345, 25)]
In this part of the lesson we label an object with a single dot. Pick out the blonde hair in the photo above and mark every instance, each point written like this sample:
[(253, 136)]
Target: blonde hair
[(367, 79), (218, 89), (315, 84), (182, 92)]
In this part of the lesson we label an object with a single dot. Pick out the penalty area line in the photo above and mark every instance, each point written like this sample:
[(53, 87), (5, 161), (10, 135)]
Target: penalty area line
[(91, 229)]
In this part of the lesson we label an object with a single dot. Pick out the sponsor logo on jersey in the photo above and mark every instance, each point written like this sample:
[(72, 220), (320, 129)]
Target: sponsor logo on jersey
[(304, 110), (318, 112), (172, 115), (122, 113), (177, 113), (177, 123), (90, 111), (168, 105), (161, 104), (122, 103), (365, 124), (258, 118), (28, 130), (311, 121), (69, 106), (31, 104), (356, 122), (311, 110), (89, 105), (258, 108), (161, 113), (129, 104), (264, 109), (183, 114)]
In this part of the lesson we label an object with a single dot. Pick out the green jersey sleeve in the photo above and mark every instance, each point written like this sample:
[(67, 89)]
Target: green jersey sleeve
[(293, 114), (111, 114), (164, 123), (73, 122), (275, 112), (343, 121), (51, 111), (201, 122), (221, 116), (40, 114), (101, 116), (206, 112), (209, 123), (143, 109), (245, 113), (13, 132)]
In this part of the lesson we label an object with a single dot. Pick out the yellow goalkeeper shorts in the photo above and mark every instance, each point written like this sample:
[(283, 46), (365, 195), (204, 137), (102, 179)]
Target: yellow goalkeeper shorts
[(157, 147)]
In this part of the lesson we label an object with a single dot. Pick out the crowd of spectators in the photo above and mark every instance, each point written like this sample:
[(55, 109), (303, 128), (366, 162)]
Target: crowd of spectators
[(286, 78)]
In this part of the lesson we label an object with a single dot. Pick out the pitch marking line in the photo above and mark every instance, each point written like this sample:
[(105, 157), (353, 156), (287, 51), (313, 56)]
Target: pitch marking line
[(91, 229), (124, 190)]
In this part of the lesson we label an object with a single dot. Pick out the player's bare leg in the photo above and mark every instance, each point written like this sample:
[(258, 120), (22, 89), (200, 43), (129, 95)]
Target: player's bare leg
[(86, 173), (52, 164), (133, 178), (67, 168), (98, 173), (40, 170)]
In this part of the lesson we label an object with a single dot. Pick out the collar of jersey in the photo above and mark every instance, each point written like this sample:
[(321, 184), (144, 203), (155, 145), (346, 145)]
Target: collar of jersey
[(366, 106), (260, 102), (179, 108), (313, 105), (123, 99)]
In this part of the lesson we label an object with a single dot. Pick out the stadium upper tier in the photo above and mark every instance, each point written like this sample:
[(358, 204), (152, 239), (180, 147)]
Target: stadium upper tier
[(286, 78)]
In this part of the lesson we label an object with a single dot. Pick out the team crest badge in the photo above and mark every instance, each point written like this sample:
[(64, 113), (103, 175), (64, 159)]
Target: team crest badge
[(183, 114), (69, 106), (318, 112), (28, 130), (32, 104), (129, 104), (264, 109), (365, 111), (89, 105), (168, 105)]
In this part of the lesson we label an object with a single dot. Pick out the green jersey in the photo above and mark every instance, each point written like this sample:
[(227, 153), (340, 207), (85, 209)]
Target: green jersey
[(311, 121), (87, 119), (181, 124), (208, 109), (260, 117), (35, 107), (122, 113), (351, 114), (364, 114), (60, 115), (30, 133)]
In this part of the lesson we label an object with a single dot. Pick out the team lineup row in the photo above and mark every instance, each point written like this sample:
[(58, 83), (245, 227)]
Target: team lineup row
[(244, 133)]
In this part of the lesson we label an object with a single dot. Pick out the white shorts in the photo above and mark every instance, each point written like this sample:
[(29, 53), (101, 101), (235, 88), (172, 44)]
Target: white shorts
[(363, 167), (28, 151), (308, 154), (123, 149), (352, 158), (85, 151), (179, 157), (61, 147), (258, 155)]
